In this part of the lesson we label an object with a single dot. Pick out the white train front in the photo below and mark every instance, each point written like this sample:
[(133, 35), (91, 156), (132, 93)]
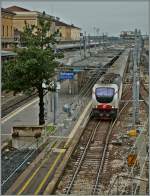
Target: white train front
[(107, 92)]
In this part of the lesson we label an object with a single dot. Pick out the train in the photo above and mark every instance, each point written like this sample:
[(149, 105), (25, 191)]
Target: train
[(107, 92)]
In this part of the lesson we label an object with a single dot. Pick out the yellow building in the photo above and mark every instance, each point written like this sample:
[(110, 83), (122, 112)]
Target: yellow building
[(68, 32), (31, 18), (75, 33), (7, 30), (64, 30)]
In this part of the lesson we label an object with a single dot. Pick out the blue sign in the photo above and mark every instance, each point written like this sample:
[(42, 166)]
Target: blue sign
[(66, 76)]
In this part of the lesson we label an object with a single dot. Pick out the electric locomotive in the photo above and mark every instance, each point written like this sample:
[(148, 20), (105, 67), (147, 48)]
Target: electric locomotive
[(107, 92)]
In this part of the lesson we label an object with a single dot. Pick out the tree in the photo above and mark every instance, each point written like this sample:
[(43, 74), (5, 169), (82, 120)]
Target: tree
[(34, 64)]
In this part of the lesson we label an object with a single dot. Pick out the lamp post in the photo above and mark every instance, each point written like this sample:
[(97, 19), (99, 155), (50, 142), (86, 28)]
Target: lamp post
[(84, 42), (94, 36), (89, 43), (80, 45), (97, 31)]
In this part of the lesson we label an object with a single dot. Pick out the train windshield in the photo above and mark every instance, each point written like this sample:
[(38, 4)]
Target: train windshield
[(104, 94)]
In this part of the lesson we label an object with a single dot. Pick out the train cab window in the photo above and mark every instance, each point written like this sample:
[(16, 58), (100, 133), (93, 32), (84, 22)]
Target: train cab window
[(104, 94)]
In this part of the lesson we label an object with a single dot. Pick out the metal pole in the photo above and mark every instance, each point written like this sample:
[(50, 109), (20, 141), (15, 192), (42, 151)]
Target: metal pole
[(55, 103), (80, 47), (134, 87), (54, 108), (99, 41), (94, 37), (103, 41), (97, 30), (136, 84), (89, 43), (51, 98), (85, 45)]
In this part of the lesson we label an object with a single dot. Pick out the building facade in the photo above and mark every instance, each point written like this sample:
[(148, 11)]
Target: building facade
[(7, 28), (13, 23), (64, 30), (68, 32), (75, 33), (30, 17)]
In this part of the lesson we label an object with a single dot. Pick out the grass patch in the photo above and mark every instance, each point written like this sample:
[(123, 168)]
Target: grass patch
[(50, 128)]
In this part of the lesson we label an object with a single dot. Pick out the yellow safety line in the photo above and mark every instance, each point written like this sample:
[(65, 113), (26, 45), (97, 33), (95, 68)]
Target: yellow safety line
[(44, 180), (29, 180), (53, 165), (50, 170), (47, 175)]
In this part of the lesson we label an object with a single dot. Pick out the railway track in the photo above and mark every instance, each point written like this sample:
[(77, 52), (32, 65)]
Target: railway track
[(12, 105), (86, 168), (88, 159), (144, 93)]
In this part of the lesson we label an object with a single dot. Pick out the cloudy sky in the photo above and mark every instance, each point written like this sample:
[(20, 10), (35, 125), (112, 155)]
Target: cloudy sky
[(111, 16)]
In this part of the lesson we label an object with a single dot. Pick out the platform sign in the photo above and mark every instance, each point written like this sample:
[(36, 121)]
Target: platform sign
[(66, 75)]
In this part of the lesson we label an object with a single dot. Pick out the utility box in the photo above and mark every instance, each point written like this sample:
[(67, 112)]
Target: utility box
[(133, 133), (132, 160)]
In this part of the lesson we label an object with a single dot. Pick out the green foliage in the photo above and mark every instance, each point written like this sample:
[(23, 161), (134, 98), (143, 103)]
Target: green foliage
[(35, 62)]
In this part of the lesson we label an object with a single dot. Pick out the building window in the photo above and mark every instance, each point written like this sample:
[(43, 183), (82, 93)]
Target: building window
[(3, 30), (7, 31), (11, 31)]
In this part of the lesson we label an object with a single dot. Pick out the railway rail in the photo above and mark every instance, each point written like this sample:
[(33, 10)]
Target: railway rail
[(85, 169), (12, 105), (92, 153), (144, 93), (96, 144)]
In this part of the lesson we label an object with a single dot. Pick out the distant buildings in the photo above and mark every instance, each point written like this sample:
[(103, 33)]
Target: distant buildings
[(127, 35), (13, 22)]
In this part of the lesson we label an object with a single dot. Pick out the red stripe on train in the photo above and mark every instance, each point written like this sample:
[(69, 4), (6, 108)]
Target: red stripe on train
[(104, 106)]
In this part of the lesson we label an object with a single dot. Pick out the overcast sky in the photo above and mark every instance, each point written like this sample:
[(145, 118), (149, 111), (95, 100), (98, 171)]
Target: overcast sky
[(111, 16)]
